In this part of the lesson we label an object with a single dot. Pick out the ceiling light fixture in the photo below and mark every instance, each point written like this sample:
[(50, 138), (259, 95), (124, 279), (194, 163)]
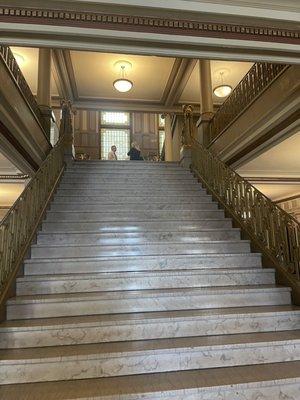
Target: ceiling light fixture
[(222, 90), (123, 84), (20, 59)]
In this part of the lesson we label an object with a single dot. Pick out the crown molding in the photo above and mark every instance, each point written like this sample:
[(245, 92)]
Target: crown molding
[(148, 24)]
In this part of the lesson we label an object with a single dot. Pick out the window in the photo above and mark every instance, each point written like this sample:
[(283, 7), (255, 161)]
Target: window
[(115, 118), (161, 140), (115, 130), (118, 137), (161, 122), (161, 132)]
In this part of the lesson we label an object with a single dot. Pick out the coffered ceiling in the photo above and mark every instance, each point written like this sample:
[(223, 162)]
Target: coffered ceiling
[(159, 82)]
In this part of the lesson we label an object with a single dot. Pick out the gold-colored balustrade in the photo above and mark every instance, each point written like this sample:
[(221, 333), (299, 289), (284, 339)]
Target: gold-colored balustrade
[(7, 57), (276, 232), (18, 228), (257, 79)]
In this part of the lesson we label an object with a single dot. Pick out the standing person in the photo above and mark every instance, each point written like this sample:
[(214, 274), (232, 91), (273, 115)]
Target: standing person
[(112, 154), (135, 152)]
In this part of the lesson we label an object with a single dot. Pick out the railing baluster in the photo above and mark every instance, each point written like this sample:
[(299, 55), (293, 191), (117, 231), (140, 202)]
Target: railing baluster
[(258, 78), (12, 65), (19, 223), (277, 232)]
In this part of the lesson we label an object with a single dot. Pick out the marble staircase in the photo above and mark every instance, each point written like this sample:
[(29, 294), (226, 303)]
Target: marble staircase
[(138, 287)]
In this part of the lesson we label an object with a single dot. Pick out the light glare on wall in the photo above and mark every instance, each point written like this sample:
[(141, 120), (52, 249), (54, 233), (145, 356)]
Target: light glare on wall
[(19, 58)]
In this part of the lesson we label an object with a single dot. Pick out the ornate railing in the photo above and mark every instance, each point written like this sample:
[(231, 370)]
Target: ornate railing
[(277, 232), (20, 224), (258, 78), (12, 65)]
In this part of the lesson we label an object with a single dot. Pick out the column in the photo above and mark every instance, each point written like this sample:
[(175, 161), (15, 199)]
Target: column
[(44, 86), (66, 130), (206, 91), (168, 139), (206, 101)]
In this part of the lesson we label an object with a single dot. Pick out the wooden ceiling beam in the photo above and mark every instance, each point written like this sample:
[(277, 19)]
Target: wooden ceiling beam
[(178, 79), (64, 74)]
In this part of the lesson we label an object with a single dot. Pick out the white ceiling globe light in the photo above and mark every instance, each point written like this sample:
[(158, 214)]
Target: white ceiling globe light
[(222, 90), (123, 85)]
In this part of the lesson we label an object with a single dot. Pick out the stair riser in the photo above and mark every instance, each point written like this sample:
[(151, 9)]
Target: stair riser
[(125, 167), (77, 284), (142, 264), (125, 251), (176, 302), (136, 226), (129, 207), (145, 201), (185, 179), (120, 364), (132, 216), (112, 187), (133, 238), (145, 191), (147, 330)]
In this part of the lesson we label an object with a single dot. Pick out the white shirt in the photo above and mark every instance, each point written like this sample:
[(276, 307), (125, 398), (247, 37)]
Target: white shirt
[(112, 155)]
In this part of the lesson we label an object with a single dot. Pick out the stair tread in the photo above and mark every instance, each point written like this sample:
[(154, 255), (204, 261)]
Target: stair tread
[(55, 353), (141, 257), (132, 318), (143, 274), (149, 385), (229, 241), (26, 299)]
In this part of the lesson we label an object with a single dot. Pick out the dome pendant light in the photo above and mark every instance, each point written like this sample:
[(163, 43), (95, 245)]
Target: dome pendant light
[(122, 84), (222, 90)]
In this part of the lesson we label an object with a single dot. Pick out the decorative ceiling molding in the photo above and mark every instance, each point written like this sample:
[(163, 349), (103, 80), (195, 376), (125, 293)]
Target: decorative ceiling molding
[(120, 105), (18, 177), (284, 199), (272, 180), (178, 79), (65, 77), (161, 25)]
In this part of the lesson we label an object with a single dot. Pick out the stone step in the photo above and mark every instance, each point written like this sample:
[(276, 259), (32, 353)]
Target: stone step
[(137, 172), (136, 226), (132, 200), (144, 326), (119, 207), (134, 186), (134, 191), (276, 381), (132, 216), (128, 164), (172, 279), (61, 305), (151, 356), (65, 251), (141, 263), (117, 179), (137, 237)]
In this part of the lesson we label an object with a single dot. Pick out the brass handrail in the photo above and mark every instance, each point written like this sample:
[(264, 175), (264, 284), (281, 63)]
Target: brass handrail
[(9, 60), (19, 225), (277, 232), (253, 84)]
